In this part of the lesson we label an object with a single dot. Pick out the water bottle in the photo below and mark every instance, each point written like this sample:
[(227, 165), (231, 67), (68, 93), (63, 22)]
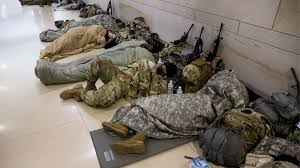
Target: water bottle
[(160, 62), (170, 87), (199, 162), (179, 90)]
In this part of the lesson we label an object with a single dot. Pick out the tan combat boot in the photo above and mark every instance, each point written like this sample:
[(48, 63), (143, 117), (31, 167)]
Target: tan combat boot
[(117, 128), (72, 93), (134, 145)]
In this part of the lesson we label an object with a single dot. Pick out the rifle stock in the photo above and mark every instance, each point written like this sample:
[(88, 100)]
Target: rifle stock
[(184, 37), (199, 44), (216, 44), (109, 8), (197, 51)]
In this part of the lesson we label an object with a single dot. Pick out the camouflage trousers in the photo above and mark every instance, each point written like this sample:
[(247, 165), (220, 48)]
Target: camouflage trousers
[(114, 88), (131, 82)]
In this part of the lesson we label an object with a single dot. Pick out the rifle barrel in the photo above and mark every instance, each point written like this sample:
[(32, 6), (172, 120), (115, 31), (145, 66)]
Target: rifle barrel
[(201, 31), (220, 29), (190, 28)]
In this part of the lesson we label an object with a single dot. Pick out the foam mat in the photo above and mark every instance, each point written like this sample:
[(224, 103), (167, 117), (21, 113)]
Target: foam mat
[(110, 159)]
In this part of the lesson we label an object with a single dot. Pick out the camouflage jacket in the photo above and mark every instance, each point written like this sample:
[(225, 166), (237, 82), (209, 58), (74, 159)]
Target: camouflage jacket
[(136, 29), (141, 83)]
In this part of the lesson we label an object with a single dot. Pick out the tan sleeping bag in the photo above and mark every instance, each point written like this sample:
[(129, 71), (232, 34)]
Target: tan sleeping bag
[(76, 40)]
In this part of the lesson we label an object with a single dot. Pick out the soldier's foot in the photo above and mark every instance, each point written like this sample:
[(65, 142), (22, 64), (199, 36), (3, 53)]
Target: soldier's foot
[(117, 128), (72, 93), (134, 145), (90, 86)]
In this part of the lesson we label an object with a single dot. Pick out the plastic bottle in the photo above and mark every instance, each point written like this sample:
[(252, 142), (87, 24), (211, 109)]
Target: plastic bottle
[(179, 90), (298, 125), (170, 87), (199, 162)]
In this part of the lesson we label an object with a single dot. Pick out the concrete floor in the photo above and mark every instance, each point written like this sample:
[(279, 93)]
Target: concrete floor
[(37, 129)]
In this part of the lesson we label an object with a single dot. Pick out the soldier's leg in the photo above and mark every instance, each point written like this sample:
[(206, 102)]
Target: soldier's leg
[(103, 69), (105, 96)]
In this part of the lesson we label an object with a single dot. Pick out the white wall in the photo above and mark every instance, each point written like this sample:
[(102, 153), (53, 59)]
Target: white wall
[(261, 37)]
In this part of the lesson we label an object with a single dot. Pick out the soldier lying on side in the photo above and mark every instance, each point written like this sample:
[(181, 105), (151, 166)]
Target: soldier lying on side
[(134, 81)]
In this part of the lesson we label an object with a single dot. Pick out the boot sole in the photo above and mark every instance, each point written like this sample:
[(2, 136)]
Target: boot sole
[(129, 148), (119, 133)]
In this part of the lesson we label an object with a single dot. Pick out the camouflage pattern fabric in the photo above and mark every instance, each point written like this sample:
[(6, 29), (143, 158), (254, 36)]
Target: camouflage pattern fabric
[(250, 125), (277, 148), (159, 85), (173, 116), (195, 75), (104, 20), (294, 136), (256, 161), (176, 58), (279, 164), (90, 11), (138, 30), (132, 82)]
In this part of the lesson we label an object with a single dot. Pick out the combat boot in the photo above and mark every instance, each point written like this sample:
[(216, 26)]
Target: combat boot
[(72, 93), (134, 145), (90, 86), (117, 128)]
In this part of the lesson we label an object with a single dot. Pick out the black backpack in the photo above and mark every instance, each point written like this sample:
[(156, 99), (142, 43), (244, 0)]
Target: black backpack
[(222, 146)]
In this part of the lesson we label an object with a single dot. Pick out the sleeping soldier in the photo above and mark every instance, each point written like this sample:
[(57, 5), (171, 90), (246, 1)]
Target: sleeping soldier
[(140, 79)]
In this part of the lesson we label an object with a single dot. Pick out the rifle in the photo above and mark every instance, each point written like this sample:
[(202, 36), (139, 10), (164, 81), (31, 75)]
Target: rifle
[(184, 37), (297, 84), (109, 10), (216, 44), (198, 48)]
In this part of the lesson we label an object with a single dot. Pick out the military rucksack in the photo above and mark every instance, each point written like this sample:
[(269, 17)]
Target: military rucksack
[(250, 125), (282, 110), (222, 146)]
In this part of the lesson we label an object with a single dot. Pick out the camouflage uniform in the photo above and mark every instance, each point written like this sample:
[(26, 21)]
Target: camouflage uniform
[(138, 30), (172, 115), (90, 11), (133, 82), (277, 147), (196, 74), (104, 20)]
